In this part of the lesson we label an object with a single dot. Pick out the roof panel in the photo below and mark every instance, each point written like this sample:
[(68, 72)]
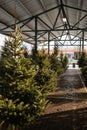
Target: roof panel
[(32, 6), (5, 17)]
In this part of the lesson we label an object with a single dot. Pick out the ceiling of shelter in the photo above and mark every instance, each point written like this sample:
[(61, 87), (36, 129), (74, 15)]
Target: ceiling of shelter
[(43, 19)]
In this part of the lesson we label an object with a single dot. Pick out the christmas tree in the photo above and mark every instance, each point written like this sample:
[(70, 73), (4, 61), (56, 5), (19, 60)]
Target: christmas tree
[(46, 77), (21, 100)]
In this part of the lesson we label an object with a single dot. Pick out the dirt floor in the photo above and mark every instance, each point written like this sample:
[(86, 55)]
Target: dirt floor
[(68, 107)]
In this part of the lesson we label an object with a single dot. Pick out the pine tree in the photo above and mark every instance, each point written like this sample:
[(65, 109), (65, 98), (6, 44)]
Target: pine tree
[(24, 50), (65, 62), (61, 56), (45, 77), (56, 51), (21, 100), (82, 60), (56, 65)]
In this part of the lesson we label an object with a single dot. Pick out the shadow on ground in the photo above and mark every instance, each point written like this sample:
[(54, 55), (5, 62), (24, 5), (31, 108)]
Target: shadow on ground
[(67, 97), (67, 120)]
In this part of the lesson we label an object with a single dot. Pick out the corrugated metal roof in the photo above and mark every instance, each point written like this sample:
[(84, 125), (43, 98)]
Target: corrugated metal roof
[(49, 15)]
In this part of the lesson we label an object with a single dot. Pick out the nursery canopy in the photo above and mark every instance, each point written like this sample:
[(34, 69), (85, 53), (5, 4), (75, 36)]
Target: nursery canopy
[(46, 20)]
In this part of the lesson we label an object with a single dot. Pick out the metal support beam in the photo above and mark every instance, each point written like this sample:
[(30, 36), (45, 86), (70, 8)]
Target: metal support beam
[(62, 32), (48, 42), (65, 40), (56, 38), (80, 47), (57, 18), (79, 21), (82, 41), (75, 29), (67, 24), (77, 35), (71, 7), (36, 33), (42, 34), (62, 45), (44, 23), (27, 21)]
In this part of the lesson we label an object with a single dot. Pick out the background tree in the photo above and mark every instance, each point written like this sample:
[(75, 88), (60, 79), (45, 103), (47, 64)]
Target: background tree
[(56, 65), (82, 60), (56, 51), (45, 77), (65, 62), (24, 50), (61, 57)]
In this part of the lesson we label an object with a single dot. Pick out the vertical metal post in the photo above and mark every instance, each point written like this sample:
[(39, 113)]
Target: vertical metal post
[(36, 34), (80, 46), (55, 43), (83, 41), (48, 42)]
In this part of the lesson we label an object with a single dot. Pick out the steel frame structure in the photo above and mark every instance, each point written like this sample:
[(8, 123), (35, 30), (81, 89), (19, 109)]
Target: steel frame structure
[(52, 31)]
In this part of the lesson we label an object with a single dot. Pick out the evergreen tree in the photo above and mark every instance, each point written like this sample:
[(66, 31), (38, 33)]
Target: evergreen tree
[(24, 50), (56, 65), (82, 60), (83, 64), (21, 100), (61, 56), (56, 51), (65, 62), (45, 77)]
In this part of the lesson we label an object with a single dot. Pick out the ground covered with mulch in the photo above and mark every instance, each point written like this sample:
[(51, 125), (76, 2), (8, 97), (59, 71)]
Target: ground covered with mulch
[(68, 105)]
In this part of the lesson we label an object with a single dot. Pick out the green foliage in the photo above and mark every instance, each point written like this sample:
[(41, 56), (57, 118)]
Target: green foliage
[(24, 50), (84, 72), (45, 77), (34, 56), (61, 55), (56, 50), (82, 60), (21, 99), (56, 65), (65, 62)]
